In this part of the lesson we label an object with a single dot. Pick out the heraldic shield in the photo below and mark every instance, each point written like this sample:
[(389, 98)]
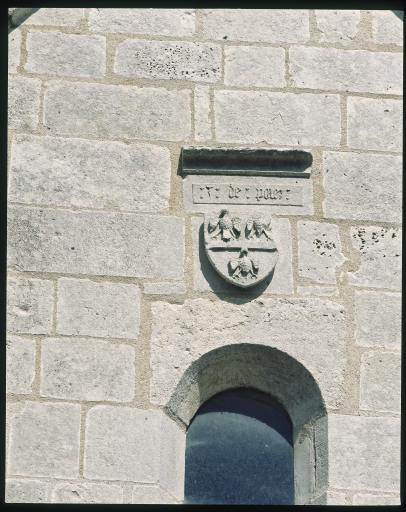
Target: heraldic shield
[(240, 248)]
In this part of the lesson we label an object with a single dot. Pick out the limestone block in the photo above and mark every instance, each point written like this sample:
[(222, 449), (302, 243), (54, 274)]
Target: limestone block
[(202, 113), (164, 288), (387, 27), (379, 250), (346, 70), (107, 244), (380, 381), (14, 50), (375, 499), (26, 491), (336, 498), (320, 252), (262, 25), (254, 66), (98, 309), (57, 17), (85, 492), (44, 440), (59, 54), (277, 118), (375, 124), (151, 495), (362, 186), (89, 174), (337, 26), (364, 452), (172, 458), (168, 60), (312, 330), (205, 278), (30, 305), (23, 102), (166, 22), (83, 369), (321, 291), (20, 364), (377, 319), (108, 111)]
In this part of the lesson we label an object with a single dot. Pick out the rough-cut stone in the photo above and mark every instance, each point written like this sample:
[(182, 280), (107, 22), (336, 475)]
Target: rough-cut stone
[(364, 452), (310, 330), (337, 26), (362, 186), (379, 251), (84, 492), (14, 50), (20, 364), (377, 319), (96, 243), (387, 27), (254, 66), (172, 458), (205, 278), (376, 499), (164, 288), (26, 491), (59, 54), (98, 309), (84, 173), (380, 381), (45, 440), (321, 291), (23, 102), (277, 118), (168, 60), (346, 70), (202, 113), (57, 17), (375, 124), (262, 25), (166, 22), (30, 305), (82, 369), (110, 111), (151, 495), (320, 253)]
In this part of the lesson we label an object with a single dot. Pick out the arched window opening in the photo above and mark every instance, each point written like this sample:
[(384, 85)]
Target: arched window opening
[(239, 450)]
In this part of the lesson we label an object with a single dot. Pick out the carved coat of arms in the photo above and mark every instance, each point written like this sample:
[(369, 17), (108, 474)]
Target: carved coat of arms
[(240, 249)]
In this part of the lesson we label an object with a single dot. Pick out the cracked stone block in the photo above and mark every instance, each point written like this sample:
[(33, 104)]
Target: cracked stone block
[(23, 102), (85, 492), (337, 26), (320, 252), (26, 491), (20, 364)]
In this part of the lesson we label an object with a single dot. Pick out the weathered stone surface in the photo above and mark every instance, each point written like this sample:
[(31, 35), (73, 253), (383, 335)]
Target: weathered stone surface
[(98, 309), (164, 288), (167, 22), (254, 66), (57, 17), (122, 443), (151, 495), (82, 369), (30, 305), (375, 124), (377, 319), (262, 25), (172, 458), (364, 452), (320, 252), (330, 498), (111, 109), (59, 54), (310, 330), (376, 499), (202, 113), (96, 243), (362, 186), (321, 291), (276, 118), (84, 492), (84, 173), (205, 278), (380, 257), (168, 60), (14, 50), (337, 26), (20, 364), (346, 70), (23, 102), (380, 381), (387, 28), (45, 440), (26, 491)]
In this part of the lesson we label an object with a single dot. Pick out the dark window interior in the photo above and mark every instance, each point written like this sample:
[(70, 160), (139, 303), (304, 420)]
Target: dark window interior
[(239, 451)]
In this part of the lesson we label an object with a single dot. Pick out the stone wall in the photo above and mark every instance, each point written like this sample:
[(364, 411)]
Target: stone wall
[(110, 299)]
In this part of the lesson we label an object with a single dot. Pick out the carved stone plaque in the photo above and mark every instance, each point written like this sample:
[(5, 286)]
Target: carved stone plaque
[(240, 248)]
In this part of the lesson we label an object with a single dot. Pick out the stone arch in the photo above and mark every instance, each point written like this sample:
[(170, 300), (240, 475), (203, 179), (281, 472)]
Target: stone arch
[(279, 375)]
